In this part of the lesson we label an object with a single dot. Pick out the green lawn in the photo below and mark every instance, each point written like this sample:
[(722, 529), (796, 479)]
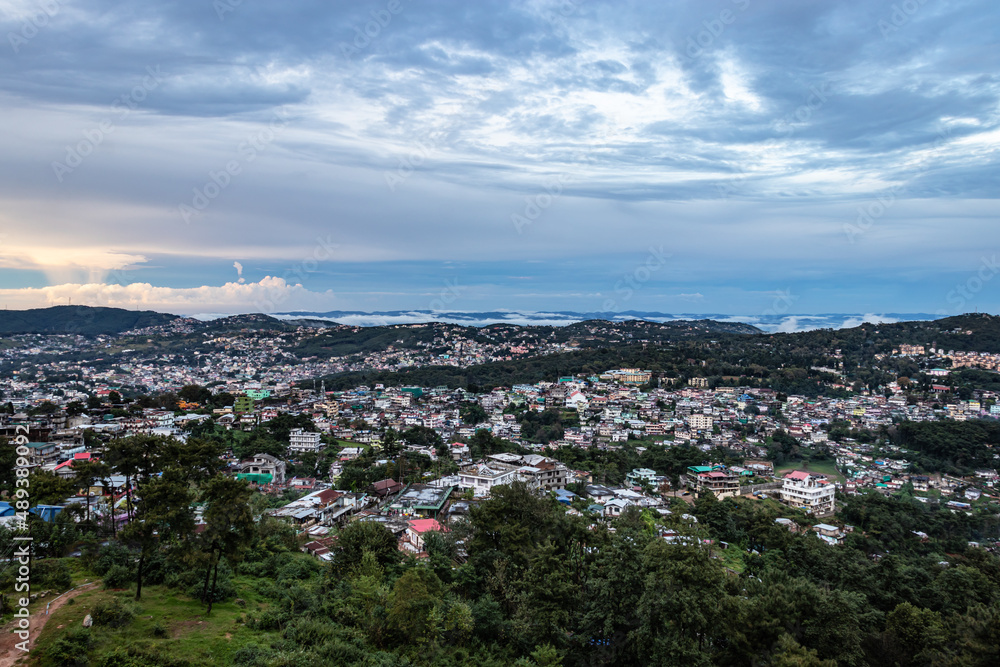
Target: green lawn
[(827, 468), (166, 621)]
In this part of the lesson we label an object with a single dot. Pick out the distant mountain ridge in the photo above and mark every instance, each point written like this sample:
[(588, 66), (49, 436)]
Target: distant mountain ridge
[(82, 320), (770, 322), (90, 320)]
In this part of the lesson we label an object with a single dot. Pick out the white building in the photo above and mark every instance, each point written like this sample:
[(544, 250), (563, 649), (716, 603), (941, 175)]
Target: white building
[(640, 476), (808, 491), (700, 422), (301, 441), (481, 477)]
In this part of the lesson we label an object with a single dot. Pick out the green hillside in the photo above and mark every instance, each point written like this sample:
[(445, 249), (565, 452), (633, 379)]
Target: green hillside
[(83, 320)]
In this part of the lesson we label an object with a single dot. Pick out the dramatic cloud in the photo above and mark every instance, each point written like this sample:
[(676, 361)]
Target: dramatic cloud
[(843, 153), (268, 295)]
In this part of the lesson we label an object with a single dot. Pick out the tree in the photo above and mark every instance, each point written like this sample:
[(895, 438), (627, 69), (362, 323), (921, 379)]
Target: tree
[(229, 526), (8, 459), (45, 408), (789, 653), (422, 436), (135, 457), (163, 514), (390, 442), (611, 599), (362, 537), (471, 413), (85, 473), (910, 631), (679, 609), (415, 596), (195, 393), (48, 488), (550, 596)]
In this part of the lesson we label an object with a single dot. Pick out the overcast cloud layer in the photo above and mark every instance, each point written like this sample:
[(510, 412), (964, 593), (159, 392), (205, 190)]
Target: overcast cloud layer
[(713, 156)]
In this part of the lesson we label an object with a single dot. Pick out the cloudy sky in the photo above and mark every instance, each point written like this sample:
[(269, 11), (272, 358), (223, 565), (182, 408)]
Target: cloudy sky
[(711, 156)]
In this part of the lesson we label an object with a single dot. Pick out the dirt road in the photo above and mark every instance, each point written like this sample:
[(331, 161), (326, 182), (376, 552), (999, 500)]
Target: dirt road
[(8, 653)]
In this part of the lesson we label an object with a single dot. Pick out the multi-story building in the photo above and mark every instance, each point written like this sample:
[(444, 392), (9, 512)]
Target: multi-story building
[(482, 477), (243, 404), (301, 441), (700, 422), (641, 476), (723, 483), (809, 491), (265, 464), (547, 474)]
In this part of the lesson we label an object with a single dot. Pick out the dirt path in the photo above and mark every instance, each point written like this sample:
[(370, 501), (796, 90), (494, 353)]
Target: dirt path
[(8, 653)]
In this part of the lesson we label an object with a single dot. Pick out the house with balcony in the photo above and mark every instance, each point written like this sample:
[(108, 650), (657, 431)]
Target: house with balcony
[(723, 483), (808, 491), (261, 465), (301, 441)]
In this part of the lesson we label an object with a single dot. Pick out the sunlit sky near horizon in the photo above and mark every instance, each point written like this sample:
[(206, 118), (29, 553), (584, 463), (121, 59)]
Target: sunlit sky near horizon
[(711, 156)]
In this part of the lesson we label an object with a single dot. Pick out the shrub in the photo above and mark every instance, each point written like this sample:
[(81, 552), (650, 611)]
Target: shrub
[(311, 632), (118, 576), (113, 613), (139, 655), (251, 655), (272, 619), (297, 569), (70, 650), (52, 574), (114, 553)]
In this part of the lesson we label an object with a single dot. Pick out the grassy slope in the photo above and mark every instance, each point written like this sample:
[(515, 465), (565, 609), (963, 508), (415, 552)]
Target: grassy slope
[(190, 635)]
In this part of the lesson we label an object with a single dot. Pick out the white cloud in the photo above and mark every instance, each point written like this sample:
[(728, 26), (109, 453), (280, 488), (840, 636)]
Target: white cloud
[(270, 294), (68, 263)]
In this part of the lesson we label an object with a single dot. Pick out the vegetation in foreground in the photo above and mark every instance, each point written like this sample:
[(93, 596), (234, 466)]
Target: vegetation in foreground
[(526, 583)]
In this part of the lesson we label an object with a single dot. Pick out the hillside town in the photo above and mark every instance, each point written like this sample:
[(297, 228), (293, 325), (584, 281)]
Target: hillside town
[(731, 430)]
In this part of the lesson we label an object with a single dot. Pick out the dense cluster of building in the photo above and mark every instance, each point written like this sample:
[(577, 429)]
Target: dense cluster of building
[(617, 408)]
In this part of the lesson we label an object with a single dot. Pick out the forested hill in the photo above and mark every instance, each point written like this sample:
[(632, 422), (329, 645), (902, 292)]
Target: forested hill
[(799, 363), (83, 320), (979, 332), (732, 359)]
